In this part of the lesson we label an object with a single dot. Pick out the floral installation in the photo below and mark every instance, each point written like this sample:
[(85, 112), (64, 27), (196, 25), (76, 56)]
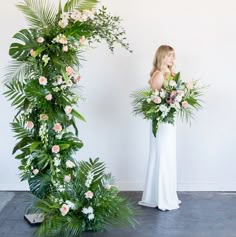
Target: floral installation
[(175, 98), (42, 83)]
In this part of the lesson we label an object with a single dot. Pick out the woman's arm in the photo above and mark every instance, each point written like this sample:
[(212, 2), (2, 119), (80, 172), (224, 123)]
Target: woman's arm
[(157, 80)]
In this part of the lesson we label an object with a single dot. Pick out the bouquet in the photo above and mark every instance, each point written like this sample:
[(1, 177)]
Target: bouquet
[(175, 98)]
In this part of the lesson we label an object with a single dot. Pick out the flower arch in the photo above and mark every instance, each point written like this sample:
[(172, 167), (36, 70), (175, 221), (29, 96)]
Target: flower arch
[(41, 83)]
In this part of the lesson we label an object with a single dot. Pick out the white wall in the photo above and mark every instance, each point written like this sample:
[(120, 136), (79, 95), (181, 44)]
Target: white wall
[(204, 34)]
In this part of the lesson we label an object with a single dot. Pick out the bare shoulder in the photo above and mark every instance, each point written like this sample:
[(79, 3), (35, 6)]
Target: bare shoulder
[(157, 80), (157, 75)]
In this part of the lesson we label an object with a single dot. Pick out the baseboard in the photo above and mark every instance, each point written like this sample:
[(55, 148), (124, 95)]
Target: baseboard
[(138, 186), (182, 186)]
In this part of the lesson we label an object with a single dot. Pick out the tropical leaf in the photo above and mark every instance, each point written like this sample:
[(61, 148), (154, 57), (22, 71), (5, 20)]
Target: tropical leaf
[(40, 185), (78, 115), (16, 93), (18, 127), (94, 166), (39, 13), (22, 144), (138, 97), (20, 51), (17, 70), (79, 5)]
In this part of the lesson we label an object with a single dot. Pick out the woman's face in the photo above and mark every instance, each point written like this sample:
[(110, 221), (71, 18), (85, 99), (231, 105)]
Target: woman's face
[(170, 58)]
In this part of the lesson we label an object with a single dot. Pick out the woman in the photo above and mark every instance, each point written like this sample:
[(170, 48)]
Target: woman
[(160, 184)]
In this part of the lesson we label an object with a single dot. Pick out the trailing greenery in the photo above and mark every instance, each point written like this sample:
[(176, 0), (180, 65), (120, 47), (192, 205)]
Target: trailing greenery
[(42, 84)]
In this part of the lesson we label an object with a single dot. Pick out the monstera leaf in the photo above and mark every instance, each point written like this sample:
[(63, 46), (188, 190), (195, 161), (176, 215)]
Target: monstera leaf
[(21, 50)]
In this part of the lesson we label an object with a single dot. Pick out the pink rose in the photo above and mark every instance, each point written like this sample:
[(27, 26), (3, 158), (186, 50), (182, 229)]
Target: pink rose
[(40, 40), (157, 100), (65, 48), (43, 117), (29, 125), (64, 209), (57, 127), (43, 80), (173, 93), (68, 109), (55, 149), (69, 70), (89, 195), (32, 53), (35, 171), (189, 85), (48, 97), (76, 79), (67, 178), (185, 104), (82, 39)]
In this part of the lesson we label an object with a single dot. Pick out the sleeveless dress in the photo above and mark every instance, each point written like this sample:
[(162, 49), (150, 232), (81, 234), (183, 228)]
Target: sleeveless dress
[(160, 184)]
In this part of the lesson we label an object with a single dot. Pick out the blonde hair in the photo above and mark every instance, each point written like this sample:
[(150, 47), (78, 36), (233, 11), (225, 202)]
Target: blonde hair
[(160, 54)]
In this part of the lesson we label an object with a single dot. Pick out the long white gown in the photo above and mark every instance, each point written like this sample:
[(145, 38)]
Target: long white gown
[(160, 184)]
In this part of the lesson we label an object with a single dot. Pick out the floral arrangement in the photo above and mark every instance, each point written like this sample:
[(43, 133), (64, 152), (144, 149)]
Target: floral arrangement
[(42, 83), (175, 98), (88, 203)]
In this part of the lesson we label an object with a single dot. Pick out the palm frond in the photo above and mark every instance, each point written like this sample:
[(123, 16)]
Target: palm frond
[(94, 166), (16, 71), (79, 4), (18, 127), (39, 13), (138, 97), (15, 93)]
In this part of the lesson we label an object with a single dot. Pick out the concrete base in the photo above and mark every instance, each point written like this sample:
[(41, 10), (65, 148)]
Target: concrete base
[(34, 219)]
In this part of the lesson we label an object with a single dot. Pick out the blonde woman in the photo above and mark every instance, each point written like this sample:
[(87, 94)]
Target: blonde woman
[(160, 183)]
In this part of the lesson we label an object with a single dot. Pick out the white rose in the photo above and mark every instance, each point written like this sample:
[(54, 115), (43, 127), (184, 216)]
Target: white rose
[(178, 98), (172, 83), (163, 108), (162, 94)]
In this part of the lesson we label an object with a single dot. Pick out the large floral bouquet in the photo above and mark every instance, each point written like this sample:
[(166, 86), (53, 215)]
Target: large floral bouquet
[(175, 98), (41, 83)]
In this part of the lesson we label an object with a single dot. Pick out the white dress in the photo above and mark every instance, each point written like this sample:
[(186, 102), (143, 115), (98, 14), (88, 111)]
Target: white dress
[(160, 184)]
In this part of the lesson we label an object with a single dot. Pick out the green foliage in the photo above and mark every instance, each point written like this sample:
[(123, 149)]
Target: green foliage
[(17, 70), (16, 93), (79, 4), (107, 205), (20, 51), (39, 14)]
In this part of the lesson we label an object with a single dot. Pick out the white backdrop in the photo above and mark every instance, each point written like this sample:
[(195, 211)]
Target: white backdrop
[(204, 34)]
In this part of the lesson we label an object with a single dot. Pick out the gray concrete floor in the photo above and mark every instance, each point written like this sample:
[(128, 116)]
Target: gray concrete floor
[(201, 214)]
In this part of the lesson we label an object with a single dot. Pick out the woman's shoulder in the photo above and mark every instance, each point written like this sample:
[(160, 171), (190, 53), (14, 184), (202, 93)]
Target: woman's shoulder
[(156, 77), (157, 74)]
